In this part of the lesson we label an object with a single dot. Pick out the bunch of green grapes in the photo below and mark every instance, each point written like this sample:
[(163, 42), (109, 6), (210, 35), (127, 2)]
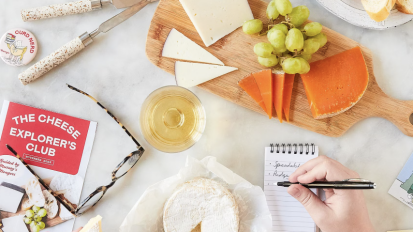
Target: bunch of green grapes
[(291, 44), (34, 218)]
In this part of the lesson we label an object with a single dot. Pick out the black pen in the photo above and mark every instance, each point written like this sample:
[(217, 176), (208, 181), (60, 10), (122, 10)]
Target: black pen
[(345, 184)]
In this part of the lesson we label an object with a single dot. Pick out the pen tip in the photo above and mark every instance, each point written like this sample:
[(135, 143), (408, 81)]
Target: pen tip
[(280, 183)]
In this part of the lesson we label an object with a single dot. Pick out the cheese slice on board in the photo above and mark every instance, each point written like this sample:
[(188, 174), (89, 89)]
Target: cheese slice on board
[(191, 74), (288, 91), (278, 89), (249, 85), (264, 81), (214, 19), (180, 47), (94, 225), (336, 83)]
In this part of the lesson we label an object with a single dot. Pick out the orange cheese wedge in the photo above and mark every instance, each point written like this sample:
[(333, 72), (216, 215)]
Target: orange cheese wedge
[(278, 89), (249, 85), (264, 82), (288, 91), (336, 83)]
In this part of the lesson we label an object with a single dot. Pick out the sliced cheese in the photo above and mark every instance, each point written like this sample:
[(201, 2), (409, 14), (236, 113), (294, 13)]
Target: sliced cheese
[(201, 202), (180, 47), (278, 83), (249, 85), (214, 19), (94, 225), (288, 92), (336, 83), (191, 74), (264, 81)]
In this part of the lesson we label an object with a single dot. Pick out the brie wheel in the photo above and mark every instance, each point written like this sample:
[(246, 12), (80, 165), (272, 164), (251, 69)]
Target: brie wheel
[(201, 202)]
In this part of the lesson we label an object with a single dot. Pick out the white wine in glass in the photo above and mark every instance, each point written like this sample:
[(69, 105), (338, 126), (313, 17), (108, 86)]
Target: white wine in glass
[(172, 119)]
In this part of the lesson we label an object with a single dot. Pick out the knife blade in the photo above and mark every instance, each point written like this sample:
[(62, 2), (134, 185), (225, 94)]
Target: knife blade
[(124, 3), (77, 45)]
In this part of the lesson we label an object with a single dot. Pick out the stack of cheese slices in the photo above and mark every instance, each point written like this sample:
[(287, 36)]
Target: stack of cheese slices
[(379, 10), (213, 19), (201, 205)]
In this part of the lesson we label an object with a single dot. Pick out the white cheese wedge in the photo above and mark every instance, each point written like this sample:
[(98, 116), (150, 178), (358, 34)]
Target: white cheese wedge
[(191, 74), (94, 225), (214, 19), (180, 47), (201, 203)]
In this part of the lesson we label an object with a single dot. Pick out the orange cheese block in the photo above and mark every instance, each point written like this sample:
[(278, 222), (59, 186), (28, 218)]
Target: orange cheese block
[(336, 83), (288, 91), (249, 85), (278, 94), (264, 82)]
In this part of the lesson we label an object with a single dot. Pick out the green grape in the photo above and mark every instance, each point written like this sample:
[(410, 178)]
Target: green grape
[(294, 40), (272, 12), (306, 57), (42, 213), (283, 6), (32, 224), (27, 220), (41, 225), (299, 15), (277, 40), (321, 38), (35, 209), (311, 46), (252, 26), (29, 213), (35, 229), (291, 65), (305, 66), (263, 49), (313, 29), (37, 218), (305, 36), (269, 61), (281, 27)]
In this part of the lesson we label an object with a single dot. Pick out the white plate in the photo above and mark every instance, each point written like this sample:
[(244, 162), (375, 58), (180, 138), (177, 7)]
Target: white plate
[(353, 12)]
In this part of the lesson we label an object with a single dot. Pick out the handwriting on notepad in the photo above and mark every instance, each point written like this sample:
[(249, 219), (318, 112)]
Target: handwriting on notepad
[(282, 169)]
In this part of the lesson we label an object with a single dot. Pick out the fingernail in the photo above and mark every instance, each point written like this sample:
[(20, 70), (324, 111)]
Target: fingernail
[(294, 191)]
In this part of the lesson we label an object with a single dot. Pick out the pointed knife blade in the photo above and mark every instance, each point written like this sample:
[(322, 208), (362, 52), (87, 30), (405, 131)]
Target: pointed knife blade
[(120, 18)]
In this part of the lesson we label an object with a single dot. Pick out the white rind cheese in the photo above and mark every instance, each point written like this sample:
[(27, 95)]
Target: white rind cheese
[(214, 19), (192, 74), (94, 225), (180, 47), (201, 201)]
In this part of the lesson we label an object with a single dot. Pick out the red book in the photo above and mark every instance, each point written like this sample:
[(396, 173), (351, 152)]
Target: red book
[(56, 146)]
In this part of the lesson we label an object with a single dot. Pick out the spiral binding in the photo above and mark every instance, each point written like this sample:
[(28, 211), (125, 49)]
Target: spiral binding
[(293, 148)]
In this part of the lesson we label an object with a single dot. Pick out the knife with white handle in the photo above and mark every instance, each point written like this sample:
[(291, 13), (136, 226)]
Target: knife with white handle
[(77, 45), (70, 8)]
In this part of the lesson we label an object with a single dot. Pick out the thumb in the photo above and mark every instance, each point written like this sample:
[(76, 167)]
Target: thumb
[(314, 206)]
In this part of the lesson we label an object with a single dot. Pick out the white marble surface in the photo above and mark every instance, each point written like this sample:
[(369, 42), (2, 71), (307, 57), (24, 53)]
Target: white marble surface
[(116, 71)]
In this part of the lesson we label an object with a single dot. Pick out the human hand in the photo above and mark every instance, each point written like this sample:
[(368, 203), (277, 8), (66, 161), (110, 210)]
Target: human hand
[(78, 230), (343, 210)]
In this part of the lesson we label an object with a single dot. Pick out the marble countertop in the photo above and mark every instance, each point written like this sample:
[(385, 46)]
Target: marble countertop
[(116, 71)]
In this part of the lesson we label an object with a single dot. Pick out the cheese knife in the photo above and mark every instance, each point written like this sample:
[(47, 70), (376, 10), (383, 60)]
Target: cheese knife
[(77, 45), (70, 8)]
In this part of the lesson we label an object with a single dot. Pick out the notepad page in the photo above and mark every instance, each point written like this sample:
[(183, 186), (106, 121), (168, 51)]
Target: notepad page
[(287, 213)]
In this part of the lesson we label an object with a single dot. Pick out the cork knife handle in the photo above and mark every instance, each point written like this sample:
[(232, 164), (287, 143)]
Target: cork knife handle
[(51, 61), (57, 10)]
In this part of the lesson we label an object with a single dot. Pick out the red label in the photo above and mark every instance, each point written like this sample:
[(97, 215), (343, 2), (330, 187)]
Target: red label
[(45, 139)]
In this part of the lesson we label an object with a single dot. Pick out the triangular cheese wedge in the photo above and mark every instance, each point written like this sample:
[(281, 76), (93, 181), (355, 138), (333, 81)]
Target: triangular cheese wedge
[(191, 74), (94, 225), (264, 82), (278, 89), (288, 91), (180, 47), (249, 85)]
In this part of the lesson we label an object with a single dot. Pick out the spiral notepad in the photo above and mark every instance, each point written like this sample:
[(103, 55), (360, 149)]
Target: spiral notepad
[(281, 160)]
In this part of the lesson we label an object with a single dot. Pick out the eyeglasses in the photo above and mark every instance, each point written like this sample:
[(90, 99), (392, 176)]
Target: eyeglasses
[(121, 170), (124, 167)]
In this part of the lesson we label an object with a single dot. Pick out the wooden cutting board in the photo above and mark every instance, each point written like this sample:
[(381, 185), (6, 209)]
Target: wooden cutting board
[(236, 50)]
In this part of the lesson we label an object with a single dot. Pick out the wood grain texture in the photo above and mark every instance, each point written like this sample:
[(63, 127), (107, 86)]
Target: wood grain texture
[(236, 50)]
